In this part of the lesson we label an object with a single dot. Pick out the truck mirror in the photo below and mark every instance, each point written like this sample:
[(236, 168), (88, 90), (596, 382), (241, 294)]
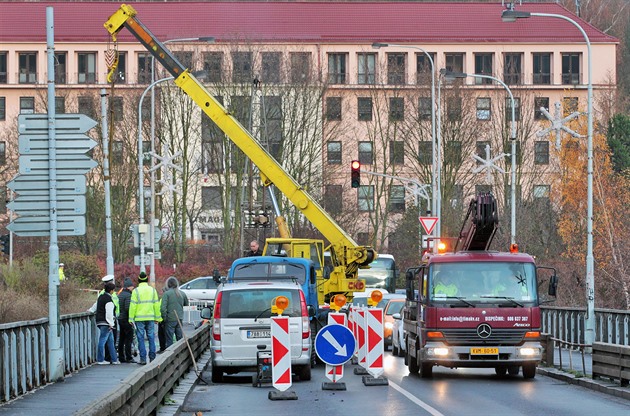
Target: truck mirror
[(553, 285), (311, 311), (409, 275)]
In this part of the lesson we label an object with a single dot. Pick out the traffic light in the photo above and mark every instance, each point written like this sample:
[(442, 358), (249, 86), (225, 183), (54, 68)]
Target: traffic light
[(355, 176), (6, 244)]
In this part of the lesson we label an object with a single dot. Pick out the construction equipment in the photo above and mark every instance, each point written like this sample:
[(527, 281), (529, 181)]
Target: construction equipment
[(348, 256)]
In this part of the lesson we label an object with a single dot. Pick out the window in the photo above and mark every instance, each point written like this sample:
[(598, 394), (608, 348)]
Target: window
[(454, 108), (213, 65), (508, 109), (541, 191), (480, 150), (571, 68), (3, 108), (397, 198), (144, 68), (542, 68), (363, 238), (121, 69), (540, 102), (457, 198), (185, 58), (333, 108), (569, 105), (242, 67), (212, 155), (117, 108), (60, 105), (211, 197), (366, 68), (3, 199), (117, 154), (146, 152), (454, 62), (300, 67), (366, 153), (424, 107), (396, 68), (397, 152), (337, 68), (425, 152), (453, 152), (86, 106), (273, 124), (332, 201), (424, 68), (483, 189), (60, 68), (3, 67), (364, 108), (365, 197), (483, 66), (484, 108), (513, 68), (396, 109), (541, 153), (28, 67), (334, 152), (507, 149), (86, 69), (3, 158), (271, 67), (27, 105)]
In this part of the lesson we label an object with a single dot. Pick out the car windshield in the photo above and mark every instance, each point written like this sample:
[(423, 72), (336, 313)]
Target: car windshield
[(257, 303), (394, 307)]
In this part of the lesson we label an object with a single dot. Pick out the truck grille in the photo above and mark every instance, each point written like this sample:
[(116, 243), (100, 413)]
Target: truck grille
[(500, 337)]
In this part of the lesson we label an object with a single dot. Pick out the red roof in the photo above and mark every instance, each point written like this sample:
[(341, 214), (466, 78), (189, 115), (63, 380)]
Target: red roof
[(299, 22)]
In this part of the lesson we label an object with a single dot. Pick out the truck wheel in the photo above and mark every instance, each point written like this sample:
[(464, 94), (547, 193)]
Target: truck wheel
[(217, 374), (500, 371), (513, 370), (304, 372), (412, 363), (426, 370), (529, 371)]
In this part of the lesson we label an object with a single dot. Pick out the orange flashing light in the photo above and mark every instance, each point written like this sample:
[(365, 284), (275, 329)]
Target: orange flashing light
[(339, 300), (376, 296), (514, 248), (441, 247), (280, 303), (435, 334), (532, 334)]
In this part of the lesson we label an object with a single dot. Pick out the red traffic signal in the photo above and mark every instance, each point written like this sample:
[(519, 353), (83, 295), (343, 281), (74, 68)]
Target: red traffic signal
[(355, 173)]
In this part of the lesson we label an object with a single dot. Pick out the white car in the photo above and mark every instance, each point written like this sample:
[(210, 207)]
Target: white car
[(201, 289), (398, 335)]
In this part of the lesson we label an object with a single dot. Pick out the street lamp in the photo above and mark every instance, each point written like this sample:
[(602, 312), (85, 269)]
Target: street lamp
[(435, 190), (589, 335), (448, 74)]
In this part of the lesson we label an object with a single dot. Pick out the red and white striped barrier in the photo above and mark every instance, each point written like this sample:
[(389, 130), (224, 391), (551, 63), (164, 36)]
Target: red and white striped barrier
[(375, 347), (280, 353), (335, 372), (360, 336)]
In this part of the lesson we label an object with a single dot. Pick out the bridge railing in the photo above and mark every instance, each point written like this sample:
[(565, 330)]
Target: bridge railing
[(24, 349), (567, 324)]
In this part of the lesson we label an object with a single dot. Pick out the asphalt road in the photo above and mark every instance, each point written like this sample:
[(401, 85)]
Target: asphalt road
[(450, 392)]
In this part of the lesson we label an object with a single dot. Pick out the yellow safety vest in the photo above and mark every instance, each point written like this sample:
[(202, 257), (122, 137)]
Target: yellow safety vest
[(145, 304)]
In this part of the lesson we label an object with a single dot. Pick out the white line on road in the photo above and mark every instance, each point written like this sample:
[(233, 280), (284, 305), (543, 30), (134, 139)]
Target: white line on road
[(414, 399)]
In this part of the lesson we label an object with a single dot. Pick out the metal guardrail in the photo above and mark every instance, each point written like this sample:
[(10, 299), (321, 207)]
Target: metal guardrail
[(24, 348), (567, 324)]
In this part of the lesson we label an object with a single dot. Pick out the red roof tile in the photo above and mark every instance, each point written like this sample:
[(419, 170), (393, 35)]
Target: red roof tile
[(307, 22)]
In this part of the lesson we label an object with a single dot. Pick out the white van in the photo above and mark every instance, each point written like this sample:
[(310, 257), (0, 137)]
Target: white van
[(241, 326)]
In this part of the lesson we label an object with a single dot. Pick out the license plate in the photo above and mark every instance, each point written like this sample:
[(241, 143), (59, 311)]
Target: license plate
[(484, 351), (258, 334)]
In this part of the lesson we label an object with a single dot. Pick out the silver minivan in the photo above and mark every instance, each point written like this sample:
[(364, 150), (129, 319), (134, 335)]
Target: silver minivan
[(241, 327)]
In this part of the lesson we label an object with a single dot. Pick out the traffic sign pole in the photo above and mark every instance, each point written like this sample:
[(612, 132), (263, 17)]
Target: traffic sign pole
[(335, 373)]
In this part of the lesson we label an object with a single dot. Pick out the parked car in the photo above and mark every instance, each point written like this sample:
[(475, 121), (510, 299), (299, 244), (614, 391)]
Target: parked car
[(391, 304), (398, 334), (201, 289)]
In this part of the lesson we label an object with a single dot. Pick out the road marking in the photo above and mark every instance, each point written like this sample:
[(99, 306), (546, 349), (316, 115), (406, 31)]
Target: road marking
[(417, 401)]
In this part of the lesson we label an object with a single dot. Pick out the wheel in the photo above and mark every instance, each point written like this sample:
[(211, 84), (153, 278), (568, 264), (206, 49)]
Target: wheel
[(513, 370), (217, 374), (426, 370), (412, 362), (529, 371), (304, 372), (255, 380), (500, 371), (395, 350)]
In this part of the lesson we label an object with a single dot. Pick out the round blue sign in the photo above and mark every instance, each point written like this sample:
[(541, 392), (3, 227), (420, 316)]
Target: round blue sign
[(335, 344)]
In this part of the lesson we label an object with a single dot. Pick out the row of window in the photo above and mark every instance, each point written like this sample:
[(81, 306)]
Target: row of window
[(300, 67)]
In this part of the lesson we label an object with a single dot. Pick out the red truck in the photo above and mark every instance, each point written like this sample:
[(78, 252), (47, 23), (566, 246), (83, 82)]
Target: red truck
[(474, 307)]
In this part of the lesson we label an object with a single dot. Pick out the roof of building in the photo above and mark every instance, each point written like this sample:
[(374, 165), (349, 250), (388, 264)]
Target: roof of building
[(300, 22)]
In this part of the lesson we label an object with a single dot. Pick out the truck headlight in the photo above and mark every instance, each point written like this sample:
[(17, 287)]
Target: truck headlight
[(528, 351), (438, 352)]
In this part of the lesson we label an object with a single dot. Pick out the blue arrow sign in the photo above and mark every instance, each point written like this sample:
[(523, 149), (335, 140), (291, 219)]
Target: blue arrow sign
[(40, 226), (334, 344), (65, 143), (70, 123), (38, 184)]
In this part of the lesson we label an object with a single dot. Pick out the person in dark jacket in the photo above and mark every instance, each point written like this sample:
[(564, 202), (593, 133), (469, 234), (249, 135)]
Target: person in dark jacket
[(172, 310), (126, 328), (254, 249), (106, 322)]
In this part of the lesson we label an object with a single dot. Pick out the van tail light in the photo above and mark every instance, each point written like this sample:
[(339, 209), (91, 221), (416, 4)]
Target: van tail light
[(306, 324), (216, 325)]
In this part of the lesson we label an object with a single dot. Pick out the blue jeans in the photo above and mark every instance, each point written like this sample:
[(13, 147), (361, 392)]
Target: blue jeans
[(172, 328), (147, 327), (106, 337)]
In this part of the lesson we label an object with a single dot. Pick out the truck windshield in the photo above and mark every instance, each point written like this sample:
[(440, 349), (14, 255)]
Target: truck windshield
[(380, 275), (505, 283)]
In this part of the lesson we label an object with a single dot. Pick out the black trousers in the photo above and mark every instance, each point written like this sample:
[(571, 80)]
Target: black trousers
[(125, 340), (162, 335)]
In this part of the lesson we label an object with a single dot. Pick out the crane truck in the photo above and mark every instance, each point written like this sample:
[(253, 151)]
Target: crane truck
[(474, 307), (348, 255)]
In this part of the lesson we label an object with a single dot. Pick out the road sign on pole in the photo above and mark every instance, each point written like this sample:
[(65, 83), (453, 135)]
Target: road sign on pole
[(39, 185), (428, 223), (73, 164), (39, 226), (68, 123), (65, 143), (34, 205), (335, 372)]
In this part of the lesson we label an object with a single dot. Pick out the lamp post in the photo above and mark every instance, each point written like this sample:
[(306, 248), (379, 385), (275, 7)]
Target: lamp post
[(512, 140), (435, 190), (589, 335)]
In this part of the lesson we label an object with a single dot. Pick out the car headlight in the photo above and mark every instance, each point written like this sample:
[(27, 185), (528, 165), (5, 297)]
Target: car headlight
[(389, 325)]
